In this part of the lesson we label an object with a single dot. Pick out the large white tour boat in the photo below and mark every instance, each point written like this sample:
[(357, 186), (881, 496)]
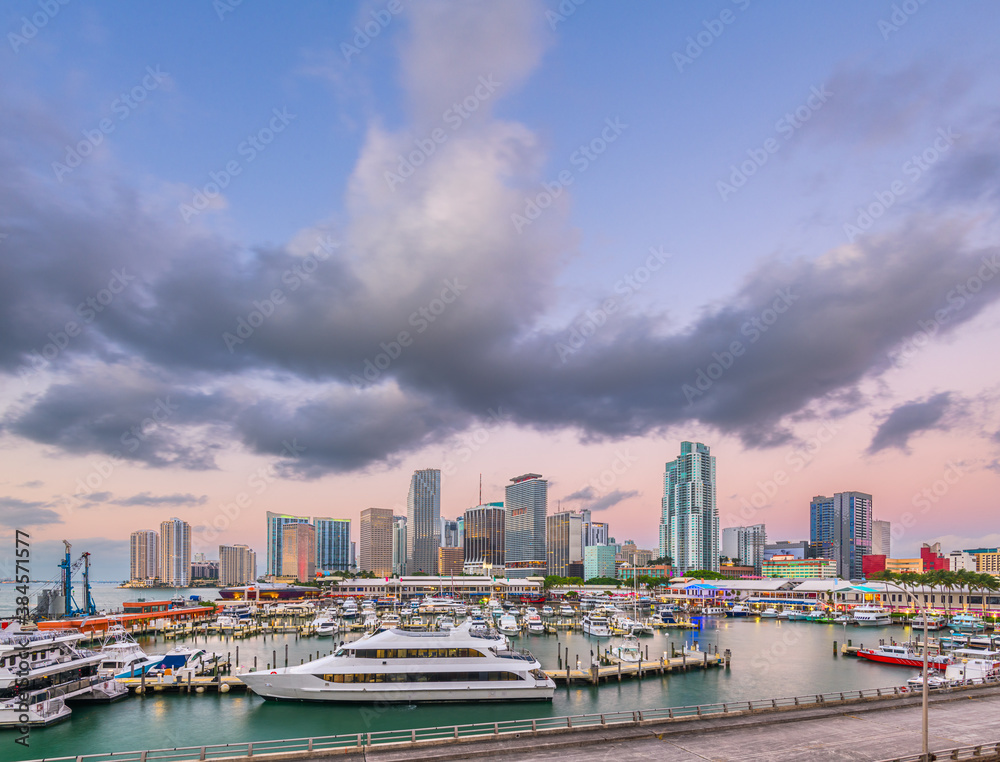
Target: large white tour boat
[(871, 616), (407, 666)]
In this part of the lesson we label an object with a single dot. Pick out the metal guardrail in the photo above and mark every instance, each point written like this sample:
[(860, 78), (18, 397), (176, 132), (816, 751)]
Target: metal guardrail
[(481, 730), (962, 752)]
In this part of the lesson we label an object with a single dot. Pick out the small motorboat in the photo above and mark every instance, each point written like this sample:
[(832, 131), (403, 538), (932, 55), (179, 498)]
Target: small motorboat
[(628, 650)]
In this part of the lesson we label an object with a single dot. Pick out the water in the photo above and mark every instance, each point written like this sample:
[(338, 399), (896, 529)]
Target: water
[(770, 658)]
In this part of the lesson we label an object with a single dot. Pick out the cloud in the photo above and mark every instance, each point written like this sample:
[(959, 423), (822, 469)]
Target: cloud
[(17, 514), (587, 493), (909, 419), (32, 484), (156, 501), (612, 499)]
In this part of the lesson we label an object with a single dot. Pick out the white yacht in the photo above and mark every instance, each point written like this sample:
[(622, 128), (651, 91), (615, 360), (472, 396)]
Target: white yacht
[(967, 623), (350, 609), (548, 611), (179, 662), (769, 613), (973, 666), (401, 666), (508, 625), (715, 611), (739, 610), (565, 610), (122, 656), (931, 621), (534, 624), (870, 615), (628, 650), (390, 620), (445, 623), (596, 624)]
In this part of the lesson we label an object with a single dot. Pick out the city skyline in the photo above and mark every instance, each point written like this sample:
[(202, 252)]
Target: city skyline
[(487, 243)]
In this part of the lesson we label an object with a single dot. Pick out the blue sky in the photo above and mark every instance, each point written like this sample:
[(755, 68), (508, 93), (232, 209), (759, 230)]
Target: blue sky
[(869, 97)]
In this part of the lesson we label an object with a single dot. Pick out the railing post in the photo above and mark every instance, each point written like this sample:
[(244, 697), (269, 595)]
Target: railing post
[(456, 731), (569, 722), (309, 747), (202, 755), (603, 720), (670, 713), (496, 728), (413, 735), (534, 726), (369, 739), (250, 749)]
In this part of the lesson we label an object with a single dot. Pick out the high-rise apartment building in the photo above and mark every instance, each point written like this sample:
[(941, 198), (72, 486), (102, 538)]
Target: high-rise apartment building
[(882, 538), (485, 536), (399, 545), (840, 527), (333, 544), (689, 523), (376, 541), (144, 555), (237, 565), (298, 551), (175, 553), (563, 541), (276, 522), (746, 544), (423, 522), (526, 504)]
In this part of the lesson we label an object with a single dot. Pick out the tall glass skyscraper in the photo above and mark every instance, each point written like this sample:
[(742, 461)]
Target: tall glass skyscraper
[(175, 553), (527, 500), (275, 523), (333, 544), (689, 525), (144, 555), (485, 543), (423, 521), (840, 527)]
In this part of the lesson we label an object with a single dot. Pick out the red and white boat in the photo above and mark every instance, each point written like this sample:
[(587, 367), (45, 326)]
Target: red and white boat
[(904, 656)]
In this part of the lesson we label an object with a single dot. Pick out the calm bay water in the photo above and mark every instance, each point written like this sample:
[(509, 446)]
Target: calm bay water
[(770, 658)]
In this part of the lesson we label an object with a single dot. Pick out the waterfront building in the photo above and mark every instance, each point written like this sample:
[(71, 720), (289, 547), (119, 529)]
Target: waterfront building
[(144, 555), (423, 521), (237, 565), (689, 522), (276, 522), (526, 505), (987, 560), (333, 544), (485, 537), (795, 548), (175, 553), (875, 563), (204, 569), (746, 545), (658, 571), (737, 571), (298, 551), (599, 561), (961, 559), (376, 541), (787, 567), (840, 527), (398, 546), (563, 541), (881, 538), (932, 558), (451, 561), (407, 588)]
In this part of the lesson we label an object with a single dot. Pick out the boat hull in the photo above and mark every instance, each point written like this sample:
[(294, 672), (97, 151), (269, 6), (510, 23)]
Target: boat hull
[(272, 689), (932, 662)]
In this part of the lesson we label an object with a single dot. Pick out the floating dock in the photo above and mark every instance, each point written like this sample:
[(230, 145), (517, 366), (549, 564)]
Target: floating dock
[(617, 669)]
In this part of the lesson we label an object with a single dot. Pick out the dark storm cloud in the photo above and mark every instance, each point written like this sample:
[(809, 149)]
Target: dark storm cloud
[(908, 419), (157, 501), (17, 514)]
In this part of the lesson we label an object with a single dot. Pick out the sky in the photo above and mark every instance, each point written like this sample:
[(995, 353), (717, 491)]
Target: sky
[(260, 256)]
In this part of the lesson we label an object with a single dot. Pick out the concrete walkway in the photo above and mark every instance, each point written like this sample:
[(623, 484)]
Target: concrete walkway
[(865, 731)]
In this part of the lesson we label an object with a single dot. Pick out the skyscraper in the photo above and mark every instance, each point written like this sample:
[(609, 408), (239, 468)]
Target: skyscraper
[(882, 538), (840, 527), (746, 544), (423, 521), (298, 551), (689, 525), (275, 526), (526, 505), (563, 541), (175, 553), (237, 565), (485, 536), (399, 545), (376, 541), (333, 543), (144, 555), (449, 533)]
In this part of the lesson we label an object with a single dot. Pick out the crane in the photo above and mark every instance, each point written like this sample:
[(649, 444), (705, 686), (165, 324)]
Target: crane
[(68, 570)]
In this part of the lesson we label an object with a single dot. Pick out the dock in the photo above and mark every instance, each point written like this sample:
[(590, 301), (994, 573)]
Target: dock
[(616, 669)]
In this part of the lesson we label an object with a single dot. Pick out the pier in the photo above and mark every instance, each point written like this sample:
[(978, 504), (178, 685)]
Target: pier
[(616, 669)]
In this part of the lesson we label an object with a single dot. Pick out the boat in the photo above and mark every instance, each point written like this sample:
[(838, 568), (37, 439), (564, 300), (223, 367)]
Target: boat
[(769, 613), (967, 623), (934, 680), (643, 628), (565, 610), (400, 666), (390, 621), (844, 618), (182, 661), (534, 625), (928, 621), (349, 610), (123, 657), (42, 670), (508, 625), (870, 616), (715, 611), (596, 624), (782, 614), (371, 622), (622, 625), (629, 650), (548, 611), (903, 656), (818, 615), (325, 624), (798, 616), (972, 666), (445, 623), (739, 610)]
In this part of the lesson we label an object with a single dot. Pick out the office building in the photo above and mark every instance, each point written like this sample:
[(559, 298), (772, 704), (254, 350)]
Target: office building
[(451, 561), (298, 551), (526, 504), (881, 538), (598, 561), (987, 560), (485, 537), (689, 522), (796, 548), (961, 559), (745, 545), (175, 553), (932, 558), (144, 555), (333, 544), (399, 545), (840, 527), (237, 565), (423, 521), (563, 541), (204, 569), (276, 522), (787, 567), (376, 541), (450, 536)]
